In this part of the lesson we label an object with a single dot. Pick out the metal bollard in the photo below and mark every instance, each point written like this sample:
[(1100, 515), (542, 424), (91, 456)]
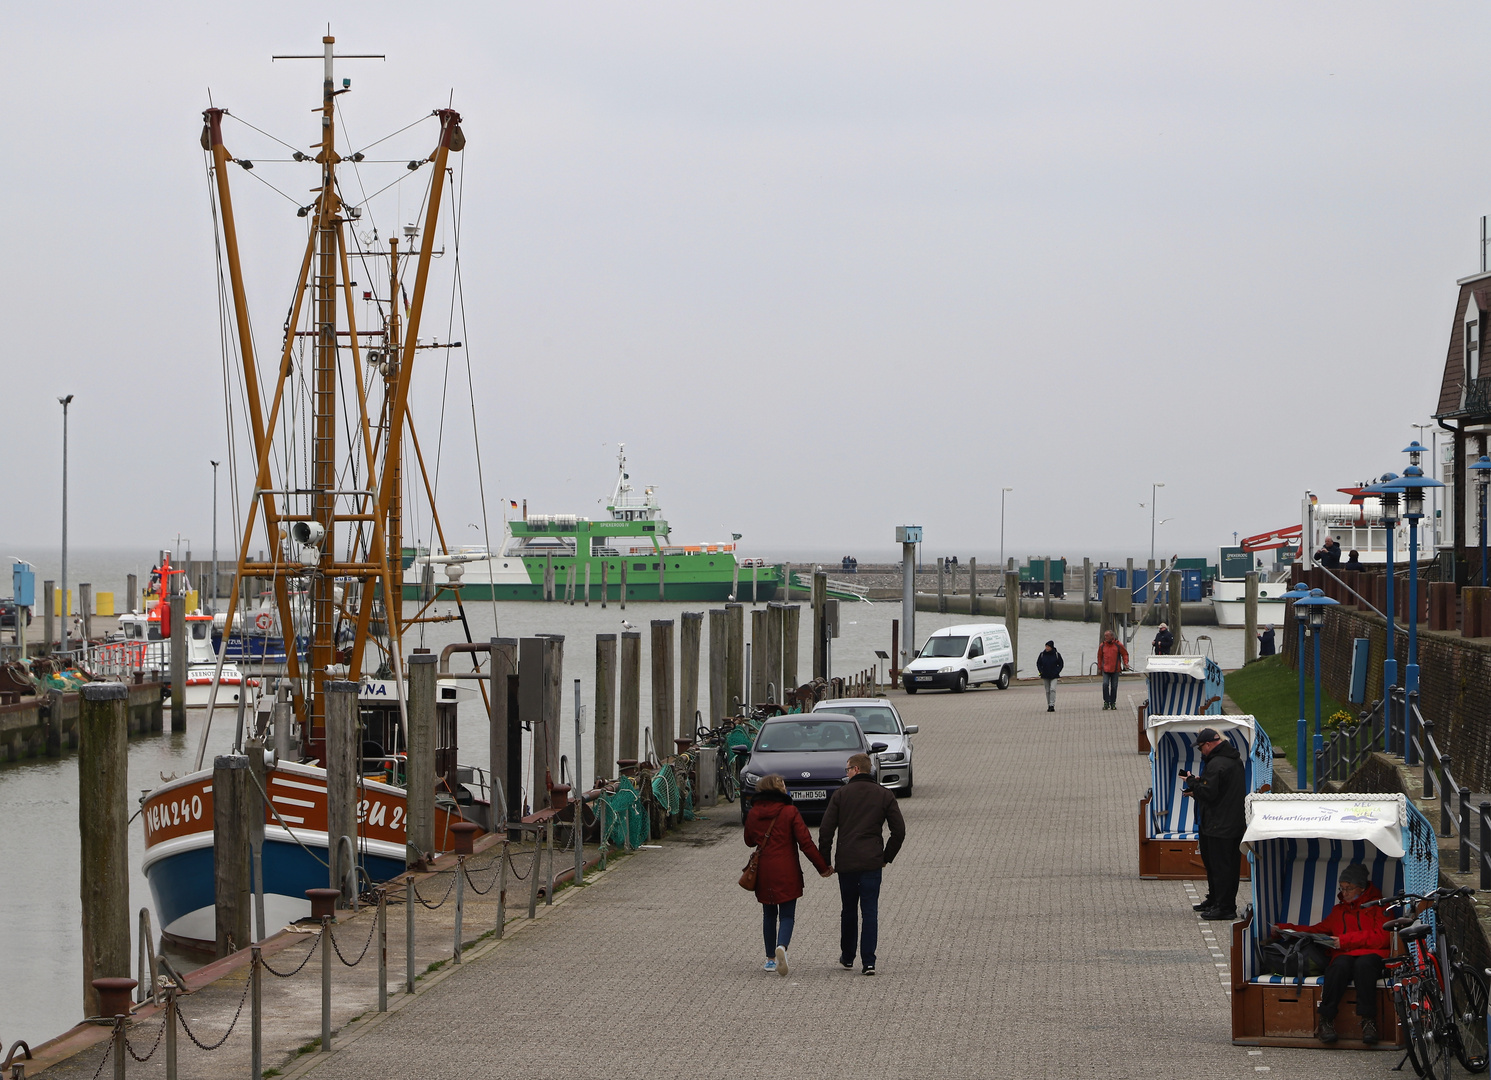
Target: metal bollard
[(1485, 855), (502, 890), (171, 1008), (382, 949), (579, 831), (409, 902), (256, 1014), (533, 877), (549, 843), (326, 984), (1444, 795), (1465, 830), (119, 1050), (460, 903)]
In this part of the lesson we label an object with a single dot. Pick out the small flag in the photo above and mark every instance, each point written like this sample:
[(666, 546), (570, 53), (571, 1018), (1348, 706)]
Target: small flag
[(512, 503)]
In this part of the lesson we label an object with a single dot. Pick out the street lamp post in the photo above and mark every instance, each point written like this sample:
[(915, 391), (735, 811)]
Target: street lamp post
[(214, 537), (1314, 605), (65, 402), (1412, 484), (1482, 470), (1153, 501), (1433, 451), (1385, 491), (1301, 616), (1002, 493)]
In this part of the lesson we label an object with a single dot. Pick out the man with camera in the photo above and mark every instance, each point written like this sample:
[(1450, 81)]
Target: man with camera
[(1219, 793)]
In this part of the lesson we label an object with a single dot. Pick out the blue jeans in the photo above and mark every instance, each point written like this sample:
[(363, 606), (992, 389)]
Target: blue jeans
[(776, 925), (860, 893), (1110, 688)]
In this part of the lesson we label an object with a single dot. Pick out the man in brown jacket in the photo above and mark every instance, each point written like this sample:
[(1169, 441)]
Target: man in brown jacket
[(858, 812)]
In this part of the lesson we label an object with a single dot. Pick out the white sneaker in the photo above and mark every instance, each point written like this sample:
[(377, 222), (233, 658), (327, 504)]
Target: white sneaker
[(781, 962), (771, 965)]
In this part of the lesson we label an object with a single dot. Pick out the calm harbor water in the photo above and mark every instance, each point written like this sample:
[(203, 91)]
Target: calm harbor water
[(39, 908)]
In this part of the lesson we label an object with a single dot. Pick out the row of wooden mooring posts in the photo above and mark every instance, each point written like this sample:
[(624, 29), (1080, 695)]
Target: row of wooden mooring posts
[(1442, 605)]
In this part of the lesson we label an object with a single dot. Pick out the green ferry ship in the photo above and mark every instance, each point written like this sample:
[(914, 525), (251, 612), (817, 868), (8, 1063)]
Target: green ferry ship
[(559, 556)]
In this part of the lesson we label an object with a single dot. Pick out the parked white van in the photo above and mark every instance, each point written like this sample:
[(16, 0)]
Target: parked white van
[(957, 657)]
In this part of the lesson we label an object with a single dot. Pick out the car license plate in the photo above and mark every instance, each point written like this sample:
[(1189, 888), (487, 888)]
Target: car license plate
[(810, 794), (924, 678)]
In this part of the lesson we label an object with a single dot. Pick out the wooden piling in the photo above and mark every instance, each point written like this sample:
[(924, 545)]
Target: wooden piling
[(1011, 616), (623, 584), (103, 827), (690, 630), (662, 573), (231, 880), (791, 628), (49, 617), (553, 709), (820, 594), (505, 733), (941, 586), (343, 768), (587, 583), (548, 576), (629, 725), (1046, 588), (1086, 590), (759, 650), (605, 706), (420, 770), (774, 651), (1176, 626), (569, 585), (973, 586), (662, 689), (85, 608), (131, 591), (1250, 617), (605, 581), (719, 702), (734, 655), (178, 662)]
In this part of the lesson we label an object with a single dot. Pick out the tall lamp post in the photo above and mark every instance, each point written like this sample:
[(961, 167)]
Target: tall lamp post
[(214, 537), (1153, 502), (1002, 493), (65, 402), (1388, 494), (1482, 470), (1412, 484), (1313, 613), (1301, 617)]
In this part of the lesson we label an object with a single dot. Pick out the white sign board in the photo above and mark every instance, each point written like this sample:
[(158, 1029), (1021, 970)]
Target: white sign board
[(1377, 819)]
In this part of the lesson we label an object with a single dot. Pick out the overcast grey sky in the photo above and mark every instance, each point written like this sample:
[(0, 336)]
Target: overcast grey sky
[(825, 268)]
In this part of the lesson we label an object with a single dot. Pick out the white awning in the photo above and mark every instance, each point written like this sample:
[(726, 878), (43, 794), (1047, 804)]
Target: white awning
[(1192, 723), (1194, 666), (1377, 819)]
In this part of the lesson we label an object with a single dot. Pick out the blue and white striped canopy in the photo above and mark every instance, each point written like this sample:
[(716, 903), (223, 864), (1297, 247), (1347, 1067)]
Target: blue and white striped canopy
[(1184, 685), (1172, 816)]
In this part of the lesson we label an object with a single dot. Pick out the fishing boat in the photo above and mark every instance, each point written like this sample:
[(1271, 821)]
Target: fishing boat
[(563, 556), (323, 430)]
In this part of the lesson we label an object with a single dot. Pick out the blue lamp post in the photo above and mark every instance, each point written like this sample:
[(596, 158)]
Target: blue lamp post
[(1388, 494), (1301, 617), (1311, 609), (1412, 484), (1482, 470)]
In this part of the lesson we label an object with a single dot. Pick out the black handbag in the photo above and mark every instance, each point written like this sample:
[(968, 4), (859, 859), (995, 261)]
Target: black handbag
[(1296, 956)]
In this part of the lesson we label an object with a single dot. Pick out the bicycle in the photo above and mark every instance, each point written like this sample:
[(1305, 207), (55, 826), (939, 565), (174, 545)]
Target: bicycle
[(1439, 1016)]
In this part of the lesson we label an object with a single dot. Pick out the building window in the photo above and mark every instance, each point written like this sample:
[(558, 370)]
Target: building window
[(1472, 350)]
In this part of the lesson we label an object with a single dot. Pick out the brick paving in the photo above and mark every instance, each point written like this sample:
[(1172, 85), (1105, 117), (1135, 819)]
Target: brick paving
[(1016, 940)]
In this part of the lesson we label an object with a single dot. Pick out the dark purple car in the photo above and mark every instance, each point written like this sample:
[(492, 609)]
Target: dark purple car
[(808, 750)]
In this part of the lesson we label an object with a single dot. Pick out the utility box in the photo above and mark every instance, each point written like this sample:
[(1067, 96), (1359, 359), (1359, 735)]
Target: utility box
[(831, 617), (908, 534), (23, 584)]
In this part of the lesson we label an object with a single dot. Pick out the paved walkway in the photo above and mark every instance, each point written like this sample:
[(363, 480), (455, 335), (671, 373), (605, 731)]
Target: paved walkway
[(1017, 940)]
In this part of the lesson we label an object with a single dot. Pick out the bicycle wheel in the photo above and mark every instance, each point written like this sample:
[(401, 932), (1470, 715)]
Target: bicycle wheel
[(1435, 1032), (1468, 991), (729, 784), (1408, 1021)]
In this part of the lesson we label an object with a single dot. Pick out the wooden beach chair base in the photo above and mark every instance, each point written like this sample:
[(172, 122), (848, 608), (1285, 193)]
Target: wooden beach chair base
[(1283, 1014), (1173, 860)]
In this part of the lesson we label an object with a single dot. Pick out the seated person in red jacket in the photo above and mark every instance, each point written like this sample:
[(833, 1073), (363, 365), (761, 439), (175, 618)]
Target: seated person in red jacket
[(1359, 945)]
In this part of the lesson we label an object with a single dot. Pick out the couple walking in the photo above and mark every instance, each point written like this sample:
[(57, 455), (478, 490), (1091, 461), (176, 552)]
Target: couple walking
[(857, 812)]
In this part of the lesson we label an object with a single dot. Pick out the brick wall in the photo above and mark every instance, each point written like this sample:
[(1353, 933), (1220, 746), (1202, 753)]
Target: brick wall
[(1454, 682)]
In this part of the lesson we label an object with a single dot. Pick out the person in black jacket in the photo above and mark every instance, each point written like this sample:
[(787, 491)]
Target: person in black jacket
[(1219, 793), (1266, 641), (1163, 642), (1048, 665), (859, 813)]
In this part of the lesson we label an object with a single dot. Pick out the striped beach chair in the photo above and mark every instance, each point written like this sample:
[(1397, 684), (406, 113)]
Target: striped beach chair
[(1298, 844), (1168, 827), (1184, 685)]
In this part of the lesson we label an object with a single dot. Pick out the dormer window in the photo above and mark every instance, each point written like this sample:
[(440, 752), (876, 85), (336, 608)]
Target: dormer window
[(1472, 350)]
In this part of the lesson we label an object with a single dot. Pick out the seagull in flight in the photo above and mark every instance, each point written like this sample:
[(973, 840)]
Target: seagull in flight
[(626, 625)]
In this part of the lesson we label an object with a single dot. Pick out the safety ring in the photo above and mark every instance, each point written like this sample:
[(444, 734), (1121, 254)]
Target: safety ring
[(263, 620)]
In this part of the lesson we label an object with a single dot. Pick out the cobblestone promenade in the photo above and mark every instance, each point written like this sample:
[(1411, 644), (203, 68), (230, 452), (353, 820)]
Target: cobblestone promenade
[(1016, 940)]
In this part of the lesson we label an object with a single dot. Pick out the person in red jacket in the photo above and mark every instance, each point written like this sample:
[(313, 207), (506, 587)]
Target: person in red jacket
[(1112, 658), (774, 825), (1359, 945)]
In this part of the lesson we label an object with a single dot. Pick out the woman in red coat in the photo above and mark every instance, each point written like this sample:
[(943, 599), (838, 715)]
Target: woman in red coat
[(778, 871)]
